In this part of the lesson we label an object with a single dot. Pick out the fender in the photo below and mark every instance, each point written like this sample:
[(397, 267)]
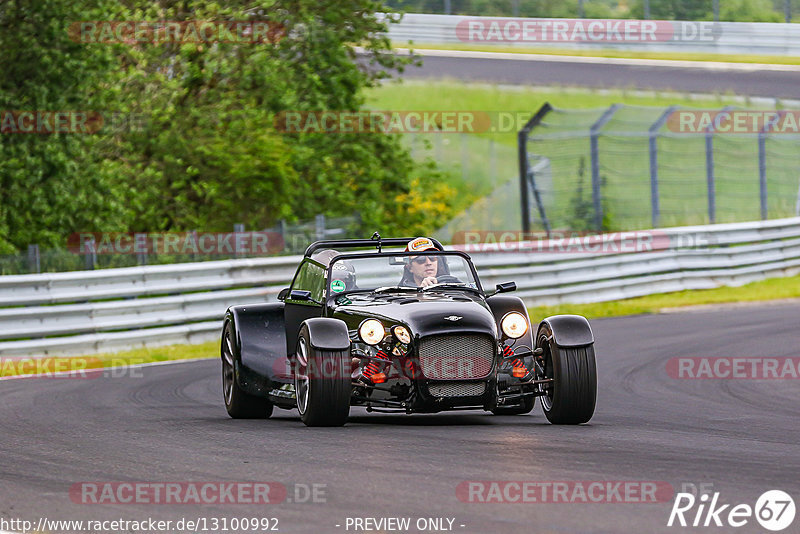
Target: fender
[(326, 333), (260, 338), (501, 305), (570, 330)]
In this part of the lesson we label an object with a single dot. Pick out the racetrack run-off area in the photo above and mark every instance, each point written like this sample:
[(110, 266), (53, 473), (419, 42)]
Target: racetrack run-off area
[(168, 424)]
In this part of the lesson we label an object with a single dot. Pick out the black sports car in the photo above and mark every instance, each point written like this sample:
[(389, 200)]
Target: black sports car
[(400, 325)]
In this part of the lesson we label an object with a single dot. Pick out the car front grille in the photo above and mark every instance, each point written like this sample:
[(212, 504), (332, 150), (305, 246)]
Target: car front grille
[(456, 356), (456, 389)]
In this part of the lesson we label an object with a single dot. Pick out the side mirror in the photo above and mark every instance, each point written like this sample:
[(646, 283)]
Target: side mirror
[(300, 294), (283, 293), (506, 287)]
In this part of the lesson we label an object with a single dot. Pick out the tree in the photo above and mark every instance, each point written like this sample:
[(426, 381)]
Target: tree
[(52, 184)]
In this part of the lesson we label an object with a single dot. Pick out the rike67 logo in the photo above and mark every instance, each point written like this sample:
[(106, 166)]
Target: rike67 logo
[(774, 510)]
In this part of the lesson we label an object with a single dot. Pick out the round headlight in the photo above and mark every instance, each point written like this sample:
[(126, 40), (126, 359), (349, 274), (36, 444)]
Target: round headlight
[(371, 331), (514, 325), (402, 335)]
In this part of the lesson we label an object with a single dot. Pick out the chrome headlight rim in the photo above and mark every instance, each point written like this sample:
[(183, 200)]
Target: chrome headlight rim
[(401, 334), (368, 331), (507, 327)]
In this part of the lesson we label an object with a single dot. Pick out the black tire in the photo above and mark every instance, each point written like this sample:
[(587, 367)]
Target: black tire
[(521, 409), (323, 394), (570, 399), (238, 403)]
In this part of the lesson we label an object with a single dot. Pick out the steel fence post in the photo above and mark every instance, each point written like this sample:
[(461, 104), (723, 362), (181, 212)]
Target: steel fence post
[(710, 178), (595, 154), (762, 162), (34, 260), (655, 205), (522, 153), (238, 228), (140, 246), (90, 254), (711, 186)]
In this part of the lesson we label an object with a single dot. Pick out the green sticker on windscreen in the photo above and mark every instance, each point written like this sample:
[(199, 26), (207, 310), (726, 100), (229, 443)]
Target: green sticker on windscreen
[(337, 286)]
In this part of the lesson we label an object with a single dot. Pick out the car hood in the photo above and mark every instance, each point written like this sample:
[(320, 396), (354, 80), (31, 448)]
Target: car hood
[(425, 314)]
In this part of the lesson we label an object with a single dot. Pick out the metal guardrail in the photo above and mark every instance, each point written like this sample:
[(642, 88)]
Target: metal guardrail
[(104, 311), (764, 38)]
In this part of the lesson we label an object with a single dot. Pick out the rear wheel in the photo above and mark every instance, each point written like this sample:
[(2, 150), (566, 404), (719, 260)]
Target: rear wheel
[(321, 384), (570, 398), (238, 403)]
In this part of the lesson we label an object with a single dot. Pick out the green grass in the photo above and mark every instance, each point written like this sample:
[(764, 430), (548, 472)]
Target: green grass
[(764, 290), (523, 102), (625, 164), (609, 53), (9, 367)]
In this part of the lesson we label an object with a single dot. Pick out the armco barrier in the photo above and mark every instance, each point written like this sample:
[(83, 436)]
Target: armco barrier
[(116, 309), (766, 38)]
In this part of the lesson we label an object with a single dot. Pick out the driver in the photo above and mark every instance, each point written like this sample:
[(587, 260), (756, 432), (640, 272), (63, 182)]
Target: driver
[(421, 271)]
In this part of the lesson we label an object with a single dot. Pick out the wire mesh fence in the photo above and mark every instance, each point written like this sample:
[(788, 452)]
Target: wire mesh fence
[(629, 167), (105, 250)]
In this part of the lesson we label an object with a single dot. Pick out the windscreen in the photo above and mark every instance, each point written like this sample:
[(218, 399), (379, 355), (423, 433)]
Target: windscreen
[(422, 271)]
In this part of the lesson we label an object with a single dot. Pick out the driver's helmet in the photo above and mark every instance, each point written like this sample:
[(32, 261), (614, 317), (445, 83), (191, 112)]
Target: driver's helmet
[(343, 271)]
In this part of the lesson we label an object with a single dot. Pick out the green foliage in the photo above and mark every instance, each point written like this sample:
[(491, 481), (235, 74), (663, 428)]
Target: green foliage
[(581, 205), (200, 149), (749, 11), (51, 185)]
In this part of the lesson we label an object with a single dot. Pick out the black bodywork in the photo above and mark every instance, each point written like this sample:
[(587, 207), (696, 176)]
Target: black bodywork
[(450, 363)]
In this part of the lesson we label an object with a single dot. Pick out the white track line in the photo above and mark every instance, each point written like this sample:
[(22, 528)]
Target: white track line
[(96, 371), (670, 63)]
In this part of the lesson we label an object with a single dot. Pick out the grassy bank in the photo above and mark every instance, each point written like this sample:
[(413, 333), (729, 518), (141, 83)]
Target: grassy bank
[(55, 364), (765, 290)]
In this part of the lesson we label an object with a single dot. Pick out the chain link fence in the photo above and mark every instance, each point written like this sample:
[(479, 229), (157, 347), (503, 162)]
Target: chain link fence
[(629, 167), (105, 250)]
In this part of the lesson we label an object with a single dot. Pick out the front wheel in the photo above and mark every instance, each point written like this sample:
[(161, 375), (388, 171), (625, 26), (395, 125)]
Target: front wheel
[(571, 396), (238, 403), (321, 384)]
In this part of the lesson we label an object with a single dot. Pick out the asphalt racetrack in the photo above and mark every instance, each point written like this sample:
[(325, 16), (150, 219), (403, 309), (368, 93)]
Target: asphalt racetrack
[(168, 424), (591, 72)]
